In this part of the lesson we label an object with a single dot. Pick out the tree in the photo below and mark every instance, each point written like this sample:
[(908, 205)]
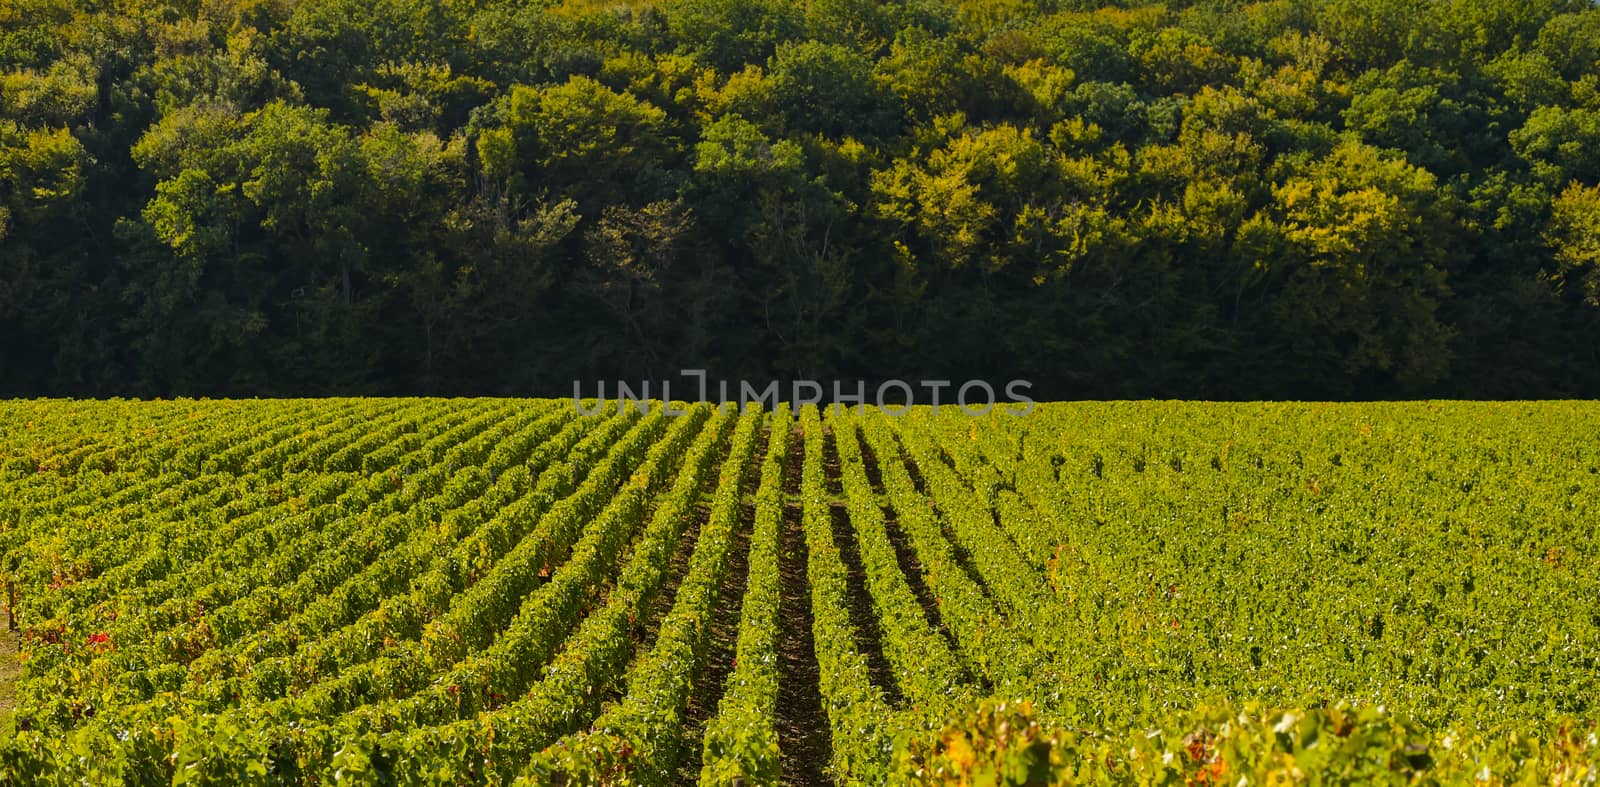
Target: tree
[(1360, 263), (1574, 235), (1558, 144), (830, 90), (582, 139), (730, 34)]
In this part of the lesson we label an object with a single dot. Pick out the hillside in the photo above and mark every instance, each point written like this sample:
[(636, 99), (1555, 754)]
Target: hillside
[(1287, 199)]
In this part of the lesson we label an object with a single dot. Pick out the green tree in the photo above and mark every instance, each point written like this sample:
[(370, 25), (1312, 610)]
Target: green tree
[(1574, 234), (830, 90), (1360, 260)]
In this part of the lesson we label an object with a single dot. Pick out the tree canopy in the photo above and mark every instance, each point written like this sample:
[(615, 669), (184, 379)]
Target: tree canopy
[(1209, 199)]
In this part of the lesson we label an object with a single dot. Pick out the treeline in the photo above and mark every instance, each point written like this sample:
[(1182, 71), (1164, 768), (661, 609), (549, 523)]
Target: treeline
[(1289, 198)]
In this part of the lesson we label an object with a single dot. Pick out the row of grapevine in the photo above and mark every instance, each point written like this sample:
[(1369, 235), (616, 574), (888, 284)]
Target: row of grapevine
[(640, 739), (83, 677), (927, 671), (863, 724), (1004, 658), (741, 742)]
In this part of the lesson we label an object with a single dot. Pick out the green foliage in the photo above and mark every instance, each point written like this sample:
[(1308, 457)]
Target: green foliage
[(1575, 234), (263, 197), (581, 132), (501, 591), (730, 34), (1362, 226), (735, 149), (829, 89), (1558, 143), (1004, 743)]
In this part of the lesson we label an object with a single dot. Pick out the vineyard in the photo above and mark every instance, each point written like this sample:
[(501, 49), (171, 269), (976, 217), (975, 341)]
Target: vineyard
[(430, 591)]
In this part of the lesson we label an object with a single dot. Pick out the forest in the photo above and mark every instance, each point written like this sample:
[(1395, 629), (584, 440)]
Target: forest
[(1318, 199)]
